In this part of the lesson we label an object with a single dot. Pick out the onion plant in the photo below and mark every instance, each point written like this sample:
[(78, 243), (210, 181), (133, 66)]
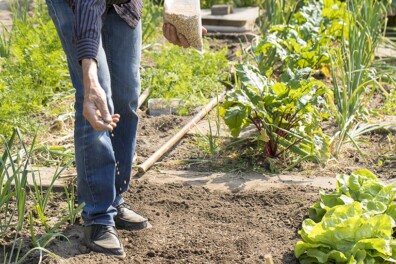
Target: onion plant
[(353, 76), (209, 141), (15, 169), (4, 43), (277, 12), (19, 10), (13, 176)]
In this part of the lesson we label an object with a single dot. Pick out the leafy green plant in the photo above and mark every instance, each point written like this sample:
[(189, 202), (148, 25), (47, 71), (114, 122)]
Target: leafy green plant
[(35, 68), (285, 114), (304, 42), (352, 225), (151, 20), (186, 74)]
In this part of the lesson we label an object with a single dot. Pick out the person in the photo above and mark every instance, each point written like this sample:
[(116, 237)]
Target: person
[(102, 42)]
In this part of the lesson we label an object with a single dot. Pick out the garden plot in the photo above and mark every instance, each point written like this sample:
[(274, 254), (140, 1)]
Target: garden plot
[(198, 225), (214, 198)]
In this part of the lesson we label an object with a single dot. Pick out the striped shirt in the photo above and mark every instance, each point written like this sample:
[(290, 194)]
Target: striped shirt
[(88, 21)]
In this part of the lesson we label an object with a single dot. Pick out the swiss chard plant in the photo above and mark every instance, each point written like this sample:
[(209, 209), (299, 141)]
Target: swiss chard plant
[(285, 114), (354, 224), (302, 43)]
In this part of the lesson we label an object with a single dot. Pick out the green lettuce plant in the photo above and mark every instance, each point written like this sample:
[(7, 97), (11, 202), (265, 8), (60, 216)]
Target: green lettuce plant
[(354, 224)]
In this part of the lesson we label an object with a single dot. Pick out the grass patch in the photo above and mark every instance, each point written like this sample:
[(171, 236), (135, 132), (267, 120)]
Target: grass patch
[(186, 74)]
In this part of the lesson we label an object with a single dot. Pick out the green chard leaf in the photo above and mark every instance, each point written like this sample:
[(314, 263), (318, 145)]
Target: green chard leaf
[(235, 117)]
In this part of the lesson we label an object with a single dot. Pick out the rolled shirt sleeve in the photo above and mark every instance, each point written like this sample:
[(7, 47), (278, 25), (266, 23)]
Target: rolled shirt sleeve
[(88, 25)]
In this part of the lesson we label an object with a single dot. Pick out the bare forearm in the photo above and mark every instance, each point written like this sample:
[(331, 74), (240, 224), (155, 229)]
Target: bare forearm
[(90, 74)]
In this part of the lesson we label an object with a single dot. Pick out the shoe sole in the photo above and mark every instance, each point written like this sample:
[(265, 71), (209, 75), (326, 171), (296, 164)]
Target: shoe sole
[(98, 249), (120, 224)]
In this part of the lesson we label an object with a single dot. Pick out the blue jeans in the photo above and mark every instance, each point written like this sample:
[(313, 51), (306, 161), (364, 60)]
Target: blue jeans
[(103, 159)]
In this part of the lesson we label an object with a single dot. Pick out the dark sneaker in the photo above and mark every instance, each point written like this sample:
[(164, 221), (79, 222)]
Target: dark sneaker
[(128, 219), (103, 239)]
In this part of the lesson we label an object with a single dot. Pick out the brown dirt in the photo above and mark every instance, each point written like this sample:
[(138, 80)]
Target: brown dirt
[(378, 148), (196, 225)]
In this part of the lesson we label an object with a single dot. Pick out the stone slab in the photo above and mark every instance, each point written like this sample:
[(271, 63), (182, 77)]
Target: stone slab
[(239, 14), (44, 176), (236, 182), (240, 21), (383, 52)]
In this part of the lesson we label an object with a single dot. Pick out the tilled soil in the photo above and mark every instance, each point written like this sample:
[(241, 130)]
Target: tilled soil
[(195, 225)]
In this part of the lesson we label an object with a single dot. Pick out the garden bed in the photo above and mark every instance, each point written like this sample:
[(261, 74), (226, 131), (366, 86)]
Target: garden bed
[(197, 225), (236, 217)]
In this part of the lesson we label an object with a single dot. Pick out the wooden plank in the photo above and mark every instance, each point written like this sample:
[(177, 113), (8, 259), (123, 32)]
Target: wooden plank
[(168, 145)]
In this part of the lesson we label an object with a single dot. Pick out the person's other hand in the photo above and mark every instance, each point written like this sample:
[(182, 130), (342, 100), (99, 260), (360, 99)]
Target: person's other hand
[(170, 33), (95, 108)]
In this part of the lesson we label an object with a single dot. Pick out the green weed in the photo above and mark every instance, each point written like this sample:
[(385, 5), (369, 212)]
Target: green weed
[(186, 74), (34, 70), (151, 20)]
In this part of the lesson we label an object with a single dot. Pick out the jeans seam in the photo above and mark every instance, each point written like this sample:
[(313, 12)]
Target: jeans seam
[(85, 168)]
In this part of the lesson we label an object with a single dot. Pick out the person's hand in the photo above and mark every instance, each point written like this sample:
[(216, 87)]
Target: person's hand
[(170, 33), (95, 108)]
